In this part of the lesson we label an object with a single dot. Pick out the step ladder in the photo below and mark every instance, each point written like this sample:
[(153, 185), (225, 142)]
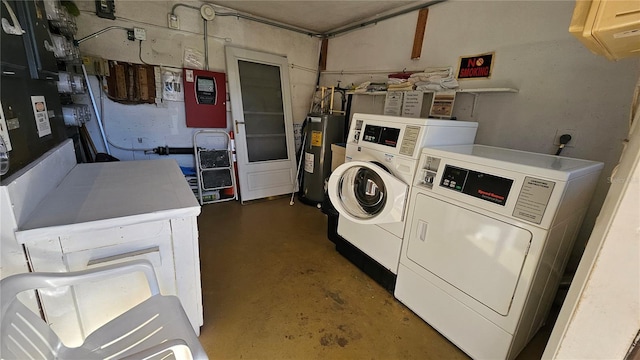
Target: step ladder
[(214, 166)]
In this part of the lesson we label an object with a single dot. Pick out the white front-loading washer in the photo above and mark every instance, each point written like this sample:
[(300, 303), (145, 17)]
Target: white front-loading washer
[(370, 190), (488, 235)]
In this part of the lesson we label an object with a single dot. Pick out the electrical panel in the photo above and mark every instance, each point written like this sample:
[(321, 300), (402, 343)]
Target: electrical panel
[(34, 118), (205, 95), (31, 110)]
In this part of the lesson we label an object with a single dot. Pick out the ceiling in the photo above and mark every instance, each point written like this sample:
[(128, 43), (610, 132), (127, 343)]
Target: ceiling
[(320, 16)]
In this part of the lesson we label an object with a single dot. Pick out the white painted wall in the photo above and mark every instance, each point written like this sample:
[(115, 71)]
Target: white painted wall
[(165, 124), (561, 84)]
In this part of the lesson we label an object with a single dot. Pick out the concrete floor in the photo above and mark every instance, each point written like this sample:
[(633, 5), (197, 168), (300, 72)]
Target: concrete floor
[(275, 288)]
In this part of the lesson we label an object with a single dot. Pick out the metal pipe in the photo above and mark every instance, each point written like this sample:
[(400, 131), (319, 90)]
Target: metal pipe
[(206, 44), (309, 32), (95, 110), (95, 34), (384, 17), (173, 9), (271, 23), (166, 150)]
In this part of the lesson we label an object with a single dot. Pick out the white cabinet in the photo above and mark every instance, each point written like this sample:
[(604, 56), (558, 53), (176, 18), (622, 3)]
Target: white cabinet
[(104, 213)]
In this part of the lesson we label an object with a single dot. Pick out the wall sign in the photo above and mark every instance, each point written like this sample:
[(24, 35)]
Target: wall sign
[(442, 104), (42, 116), (477, 66), (393, 103), (4, 131), (412, 104)]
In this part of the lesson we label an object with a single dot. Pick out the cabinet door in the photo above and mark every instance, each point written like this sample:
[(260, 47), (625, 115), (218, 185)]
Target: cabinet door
[(99, 302), (14, 58), (39, 47), (616, 27), (75, 312)]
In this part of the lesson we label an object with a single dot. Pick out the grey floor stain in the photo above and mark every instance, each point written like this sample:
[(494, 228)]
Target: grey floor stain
[(331, 339), (335, 296)]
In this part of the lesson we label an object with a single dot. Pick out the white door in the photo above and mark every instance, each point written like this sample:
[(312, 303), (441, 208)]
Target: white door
[(365, 193), (479, 255), (263, 123)]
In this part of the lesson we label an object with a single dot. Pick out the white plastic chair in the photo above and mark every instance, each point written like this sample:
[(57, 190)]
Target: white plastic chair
[(157, 328)]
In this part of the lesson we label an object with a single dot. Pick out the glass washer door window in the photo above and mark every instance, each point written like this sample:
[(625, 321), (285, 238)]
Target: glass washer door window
[(362, 192), (366, 193)]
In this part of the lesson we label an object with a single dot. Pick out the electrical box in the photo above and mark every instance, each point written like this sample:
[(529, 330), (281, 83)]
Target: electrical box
[(106, 9), (608, 27), (205, 98)]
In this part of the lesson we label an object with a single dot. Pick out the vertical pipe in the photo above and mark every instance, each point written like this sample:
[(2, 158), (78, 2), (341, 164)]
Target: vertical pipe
[(95, 110), (206, 45), (322, 99), (333, 89)]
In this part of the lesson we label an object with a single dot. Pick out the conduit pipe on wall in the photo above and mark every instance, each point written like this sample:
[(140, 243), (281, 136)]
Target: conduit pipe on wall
[(95, 110), (204, 26), (360, 25), (206, 44), (95, 34), (250, 18), (328, 34)]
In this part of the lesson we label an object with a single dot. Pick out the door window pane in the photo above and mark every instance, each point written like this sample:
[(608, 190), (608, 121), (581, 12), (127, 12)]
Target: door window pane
[(263, 111)]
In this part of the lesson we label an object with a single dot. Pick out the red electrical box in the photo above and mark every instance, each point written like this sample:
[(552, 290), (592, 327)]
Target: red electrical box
[(205, 98)]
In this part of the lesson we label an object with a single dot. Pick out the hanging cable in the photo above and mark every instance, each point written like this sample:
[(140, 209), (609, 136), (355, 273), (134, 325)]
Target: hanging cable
[(564, 140), (140, 55), (300, 67)]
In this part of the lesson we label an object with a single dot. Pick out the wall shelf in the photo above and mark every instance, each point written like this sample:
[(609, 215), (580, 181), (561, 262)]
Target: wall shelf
[(469, 91), (474, 92)]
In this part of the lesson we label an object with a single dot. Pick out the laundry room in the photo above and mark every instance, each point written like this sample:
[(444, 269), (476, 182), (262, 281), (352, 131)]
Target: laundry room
[(320, 179)]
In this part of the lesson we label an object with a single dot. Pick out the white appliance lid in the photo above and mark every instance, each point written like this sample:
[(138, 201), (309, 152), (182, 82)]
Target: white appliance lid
[(413, 121), (561, 168)]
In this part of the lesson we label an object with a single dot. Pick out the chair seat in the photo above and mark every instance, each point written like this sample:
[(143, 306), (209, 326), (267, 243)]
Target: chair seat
[(157, 328), (154, 321)]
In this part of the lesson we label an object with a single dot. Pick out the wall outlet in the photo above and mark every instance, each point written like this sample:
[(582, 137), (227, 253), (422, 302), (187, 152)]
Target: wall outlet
[(139, 33), (560, 132), (173, 22)]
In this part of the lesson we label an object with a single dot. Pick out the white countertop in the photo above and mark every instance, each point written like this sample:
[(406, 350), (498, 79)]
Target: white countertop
[(101, 195)]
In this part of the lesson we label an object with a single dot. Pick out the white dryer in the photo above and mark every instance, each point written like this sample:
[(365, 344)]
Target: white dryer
[(488, 235), (370, 190)]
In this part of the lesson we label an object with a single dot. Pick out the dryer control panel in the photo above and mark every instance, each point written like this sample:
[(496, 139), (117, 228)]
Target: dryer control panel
[(483, 186)]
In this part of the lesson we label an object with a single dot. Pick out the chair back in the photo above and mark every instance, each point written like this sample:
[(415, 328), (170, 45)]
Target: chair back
[(24, 335)]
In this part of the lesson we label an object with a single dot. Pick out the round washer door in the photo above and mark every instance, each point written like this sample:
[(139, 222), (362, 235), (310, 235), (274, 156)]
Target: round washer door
[(366, 193)]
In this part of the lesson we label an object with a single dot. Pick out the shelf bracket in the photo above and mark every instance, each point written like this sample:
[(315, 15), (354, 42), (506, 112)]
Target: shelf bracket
[(475, 103)]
